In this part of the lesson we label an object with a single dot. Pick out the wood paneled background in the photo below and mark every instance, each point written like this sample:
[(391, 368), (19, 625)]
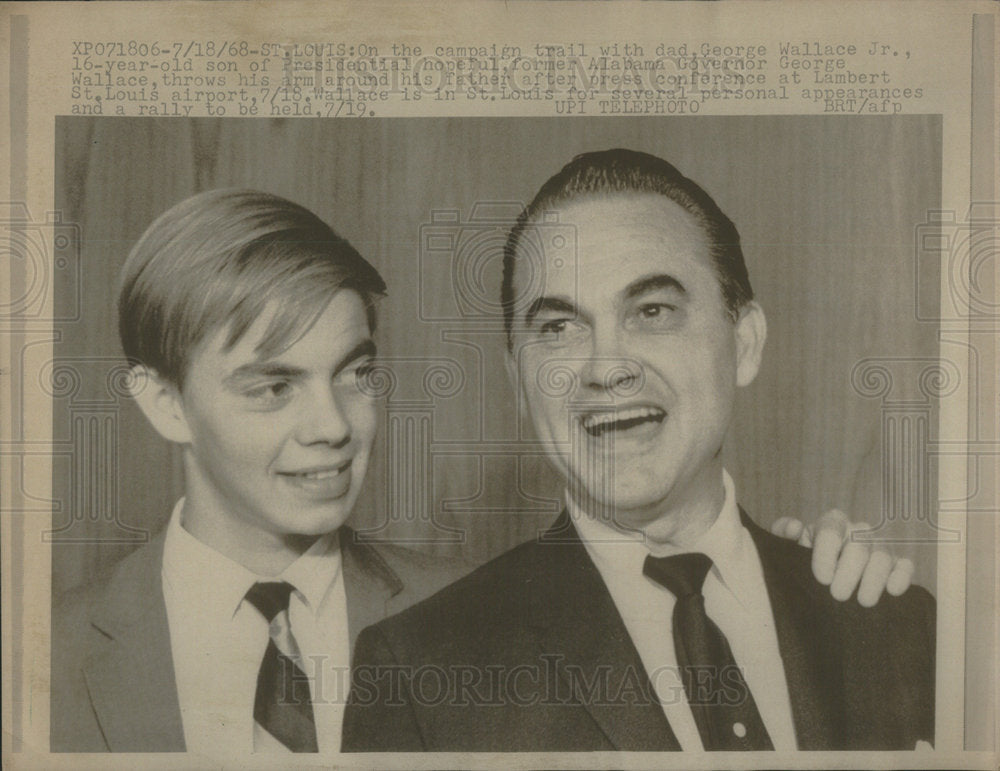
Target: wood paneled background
[(827, 208)]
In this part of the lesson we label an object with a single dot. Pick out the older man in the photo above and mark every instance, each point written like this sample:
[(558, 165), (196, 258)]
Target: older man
[(654, 614)]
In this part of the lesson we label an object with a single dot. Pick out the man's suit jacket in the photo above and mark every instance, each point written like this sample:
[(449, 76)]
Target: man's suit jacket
[(113, 682), (529, 653)]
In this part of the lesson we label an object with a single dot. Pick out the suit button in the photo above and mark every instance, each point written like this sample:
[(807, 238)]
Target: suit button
[(740, 730)]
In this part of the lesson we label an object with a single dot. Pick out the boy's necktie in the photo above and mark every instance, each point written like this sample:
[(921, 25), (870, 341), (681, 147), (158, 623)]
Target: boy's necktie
[(283, 713)]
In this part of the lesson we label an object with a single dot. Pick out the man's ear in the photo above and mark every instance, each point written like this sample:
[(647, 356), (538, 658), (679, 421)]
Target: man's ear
[(751, 332), (160, 401), (510, 365), (514, 377)]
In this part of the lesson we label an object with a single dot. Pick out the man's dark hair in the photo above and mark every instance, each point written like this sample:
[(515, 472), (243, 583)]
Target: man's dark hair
[(628, 171)]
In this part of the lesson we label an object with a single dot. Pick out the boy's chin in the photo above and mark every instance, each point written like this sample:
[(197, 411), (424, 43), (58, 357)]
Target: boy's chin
[(315, 527), (300, 542)]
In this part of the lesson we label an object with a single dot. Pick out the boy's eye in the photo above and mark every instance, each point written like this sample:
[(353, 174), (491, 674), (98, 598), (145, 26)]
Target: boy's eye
[(269, 393), (356, 373)]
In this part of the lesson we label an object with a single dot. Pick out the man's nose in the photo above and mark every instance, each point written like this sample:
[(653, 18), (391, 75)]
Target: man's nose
[(609, 370), (324, 421)]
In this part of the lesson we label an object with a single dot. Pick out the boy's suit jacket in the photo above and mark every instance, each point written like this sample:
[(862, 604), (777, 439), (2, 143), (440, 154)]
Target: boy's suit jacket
[(112, 670)]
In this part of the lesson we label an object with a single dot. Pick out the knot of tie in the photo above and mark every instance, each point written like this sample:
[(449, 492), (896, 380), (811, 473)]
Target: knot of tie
[(270, 597), (682, 574)]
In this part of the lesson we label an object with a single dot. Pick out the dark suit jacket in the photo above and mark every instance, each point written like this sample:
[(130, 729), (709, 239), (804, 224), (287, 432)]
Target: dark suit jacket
[(112, 670), (529, 653)]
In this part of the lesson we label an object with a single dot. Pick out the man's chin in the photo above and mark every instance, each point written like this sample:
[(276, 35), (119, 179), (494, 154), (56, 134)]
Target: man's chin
[(627, 518), (628, 512)]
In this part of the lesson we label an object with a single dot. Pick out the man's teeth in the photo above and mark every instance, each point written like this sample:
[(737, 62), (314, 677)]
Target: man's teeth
[(603, 421)]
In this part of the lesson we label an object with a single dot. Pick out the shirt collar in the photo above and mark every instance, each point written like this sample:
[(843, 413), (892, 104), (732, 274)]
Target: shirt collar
[(218, 584), (316, 571), (624, 551)]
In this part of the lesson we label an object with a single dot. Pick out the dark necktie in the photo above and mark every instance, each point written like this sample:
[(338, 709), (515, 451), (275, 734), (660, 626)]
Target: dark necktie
[(282, 706), (722, 705)]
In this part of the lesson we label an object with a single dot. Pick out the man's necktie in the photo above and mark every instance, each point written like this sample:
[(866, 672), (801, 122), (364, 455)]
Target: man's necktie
[(722, 705), (282, 707)]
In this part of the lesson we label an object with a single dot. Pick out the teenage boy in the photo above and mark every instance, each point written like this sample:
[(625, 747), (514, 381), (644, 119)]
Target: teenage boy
[(249, 323)]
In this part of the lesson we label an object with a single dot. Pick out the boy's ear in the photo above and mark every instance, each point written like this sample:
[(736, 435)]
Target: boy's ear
[(160, 401)]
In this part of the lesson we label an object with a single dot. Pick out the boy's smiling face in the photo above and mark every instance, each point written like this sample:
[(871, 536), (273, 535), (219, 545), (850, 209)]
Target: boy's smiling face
[(276, 449)]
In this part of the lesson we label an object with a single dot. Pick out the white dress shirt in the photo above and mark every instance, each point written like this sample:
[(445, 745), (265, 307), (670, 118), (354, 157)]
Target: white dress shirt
[(736, 600), (218, 639)]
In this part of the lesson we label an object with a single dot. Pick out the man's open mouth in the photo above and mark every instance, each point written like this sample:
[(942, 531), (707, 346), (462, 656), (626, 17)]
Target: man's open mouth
[(625, 419)]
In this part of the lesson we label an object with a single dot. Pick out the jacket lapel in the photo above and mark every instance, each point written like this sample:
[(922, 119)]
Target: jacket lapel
[(369, 582), (131, 682), (806, 639), (580, 627)]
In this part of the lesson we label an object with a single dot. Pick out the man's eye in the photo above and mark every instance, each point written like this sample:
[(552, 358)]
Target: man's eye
[(562, 331), (656, 315), (655, 310), (554, 327)]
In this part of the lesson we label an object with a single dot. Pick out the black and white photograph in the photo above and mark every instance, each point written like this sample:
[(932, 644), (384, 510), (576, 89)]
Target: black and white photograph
[(621, 440), (547, 390)]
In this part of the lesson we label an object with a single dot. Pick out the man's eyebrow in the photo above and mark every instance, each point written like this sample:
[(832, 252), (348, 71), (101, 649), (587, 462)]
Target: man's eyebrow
[(652, 284), (551, 304)]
